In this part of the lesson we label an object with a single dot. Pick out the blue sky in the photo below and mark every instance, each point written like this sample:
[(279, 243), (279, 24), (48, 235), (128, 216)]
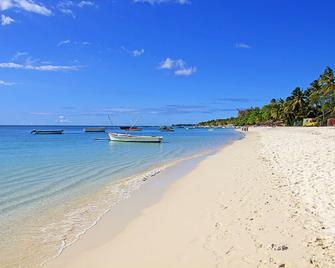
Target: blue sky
[(156, 61)]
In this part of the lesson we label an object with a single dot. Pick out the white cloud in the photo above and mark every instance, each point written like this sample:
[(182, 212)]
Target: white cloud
[(179, 66), (135, 52), (23, 61), (68, 42), (27, 5), (186, 71), (86, 3), (5, 20), (6, 4), (242, 45), (54, 68), (6, 83), (167, 64), (11, 65), (138, 52), (67, 6), (19, 54), (64, 42), (153, 2)]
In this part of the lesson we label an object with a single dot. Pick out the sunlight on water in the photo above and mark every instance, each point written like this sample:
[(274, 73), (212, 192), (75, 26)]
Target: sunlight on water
[(53, 188)]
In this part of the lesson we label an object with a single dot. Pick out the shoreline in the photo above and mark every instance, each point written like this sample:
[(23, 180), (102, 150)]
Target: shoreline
[(154, 180), (231, 209), (147, 195), (42, 238)]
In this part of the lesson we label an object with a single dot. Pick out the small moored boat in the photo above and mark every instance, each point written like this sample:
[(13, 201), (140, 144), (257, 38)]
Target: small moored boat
[(47, 132), (127, 128), (132, 138), (166, 129), (95, 129)]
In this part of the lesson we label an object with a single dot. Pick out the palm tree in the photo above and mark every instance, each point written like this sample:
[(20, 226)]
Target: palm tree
[(327, 81), (327, 84), (294, 107), (316, 101)]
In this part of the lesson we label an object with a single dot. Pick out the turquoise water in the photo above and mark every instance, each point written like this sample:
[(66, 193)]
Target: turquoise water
[(54, 187)]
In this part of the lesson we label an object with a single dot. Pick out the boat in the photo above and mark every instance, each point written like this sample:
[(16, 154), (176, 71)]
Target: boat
[(127, 128), (47, 132), (166, 129), (95, 129), (132, 138)]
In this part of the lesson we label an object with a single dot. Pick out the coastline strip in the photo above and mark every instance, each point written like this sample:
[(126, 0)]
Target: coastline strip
[(231, 210)]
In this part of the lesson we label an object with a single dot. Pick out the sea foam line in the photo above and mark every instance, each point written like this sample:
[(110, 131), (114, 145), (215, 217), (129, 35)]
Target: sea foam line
[(135, 183)]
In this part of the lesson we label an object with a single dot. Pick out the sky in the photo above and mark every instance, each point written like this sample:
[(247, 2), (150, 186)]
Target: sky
[(156, 61)]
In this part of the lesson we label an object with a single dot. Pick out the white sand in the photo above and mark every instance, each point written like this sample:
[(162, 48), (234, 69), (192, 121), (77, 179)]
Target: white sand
[(253, 204), (305, 159)]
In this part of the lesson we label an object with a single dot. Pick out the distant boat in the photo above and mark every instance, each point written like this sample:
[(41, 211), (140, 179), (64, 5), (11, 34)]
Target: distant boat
[(127, 128), (47, 132), (95, 129), (132, 138), (166, 129)]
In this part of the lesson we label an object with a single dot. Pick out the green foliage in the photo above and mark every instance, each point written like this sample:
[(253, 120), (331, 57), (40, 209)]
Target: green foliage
[(317, 101)]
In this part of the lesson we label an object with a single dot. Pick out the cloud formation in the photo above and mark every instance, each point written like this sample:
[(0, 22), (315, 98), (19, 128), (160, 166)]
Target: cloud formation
[(52, 68), (178, 66), (186, 71), (67, 6), (22, 61), (153, 2), (242, 45), (6, 20), (86, 3), (138, 52), (19, 54), (26, 5), (64, 42), (135, 52), (6, 83), (68, 42)]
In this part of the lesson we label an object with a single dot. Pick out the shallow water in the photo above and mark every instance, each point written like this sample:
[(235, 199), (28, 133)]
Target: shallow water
[(55, 187)]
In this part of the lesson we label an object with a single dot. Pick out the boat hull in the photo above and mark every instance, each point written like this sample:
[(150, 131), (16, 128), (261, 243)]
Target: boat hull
[(166, 129), (130, 128), (47, 132), (95, 129), (131, 138)]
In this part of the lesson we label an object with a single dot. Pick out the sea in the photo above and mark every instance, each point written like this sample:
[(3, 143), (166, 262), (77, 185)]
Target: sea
[(53, 188)]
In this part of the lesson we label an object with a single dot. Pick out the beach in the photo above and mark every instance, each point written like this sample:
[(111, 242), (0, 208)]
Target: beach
[(263, 201), (55, 188)]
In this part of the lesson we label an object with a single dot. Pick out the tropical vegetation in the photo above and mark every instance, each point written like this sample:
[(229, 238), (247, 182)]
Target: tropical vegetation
[(317, 101)]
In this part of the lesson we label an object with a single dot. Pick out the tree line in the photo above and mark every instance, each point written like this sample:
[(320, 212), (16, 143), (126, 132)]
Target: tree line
[(317, 101)]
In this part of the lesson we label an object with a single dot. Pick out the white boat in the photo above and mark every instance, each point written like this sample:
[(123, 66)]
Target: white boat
[(132, 138)]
